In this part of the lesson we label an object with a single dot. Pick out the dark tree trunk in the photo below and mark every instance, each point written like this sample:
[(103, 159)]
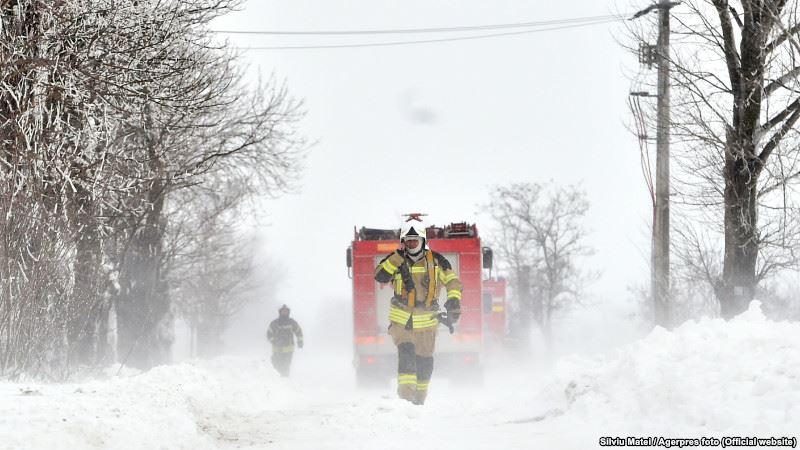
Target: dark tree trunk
[(741, 238), (144, 318), (103, 353), (143, 306), (743, 164), (86, 299)]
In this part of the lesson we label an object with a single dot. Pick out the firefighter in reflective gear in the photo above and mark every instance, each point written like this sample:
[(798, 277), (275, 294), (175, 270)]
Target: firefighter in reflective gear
[(417, 274), (281, 334)]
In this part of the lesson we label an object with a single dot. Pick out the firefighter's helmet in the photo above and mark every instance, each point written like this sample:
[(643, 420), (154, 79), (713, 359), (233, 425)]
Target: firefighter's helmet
[(282, 308), (414, 229)]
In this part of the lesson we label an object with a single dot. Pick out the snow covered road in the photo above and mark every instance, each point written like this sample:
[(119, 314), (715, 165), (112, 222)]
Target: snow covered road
[(705, 379), (240, 403)]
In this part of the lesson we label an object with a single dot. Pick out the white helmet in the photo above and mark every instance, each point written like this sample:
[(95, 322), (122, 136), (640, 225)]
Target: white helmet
[(414, 229)]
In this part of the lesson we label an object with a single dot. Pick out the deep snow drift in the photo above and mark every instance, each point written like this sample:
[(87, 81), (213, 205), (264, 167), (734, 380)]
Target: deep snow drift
[(705, 379)]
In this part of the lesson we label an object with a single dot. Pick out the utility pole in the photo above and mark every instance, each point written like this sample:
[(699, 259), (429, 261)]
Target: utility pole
[(661, 231), (660, 257)]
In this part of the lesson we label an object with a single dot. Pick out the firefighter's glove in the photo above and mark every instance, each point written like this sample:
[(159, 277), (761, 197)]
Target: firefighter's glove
[(453, 307), (299, 344)]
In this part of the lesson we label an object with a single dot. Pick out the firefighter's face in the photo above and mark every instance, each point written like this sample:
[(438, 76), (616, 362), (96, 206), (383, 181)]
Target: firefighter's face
[(412, 243)]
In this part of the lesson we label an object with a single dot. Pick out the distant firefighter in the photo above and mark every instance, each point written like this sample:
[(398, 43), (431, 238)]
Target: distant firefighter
[(281, 334)]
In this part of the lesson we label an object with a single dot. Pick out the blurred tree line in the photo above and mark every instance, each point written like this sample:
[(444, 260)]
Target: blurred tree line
[(130, 146)]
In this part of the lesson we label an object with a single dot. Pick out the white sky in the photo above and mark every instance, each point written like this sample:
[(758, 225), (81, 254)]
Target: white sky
[(537, 107)]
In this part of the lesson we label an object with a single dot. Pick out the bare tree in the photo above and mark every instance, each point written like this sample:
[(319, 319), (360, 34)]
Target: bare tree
[(735, 107), (540, 236), (246, 140), (212, 270), (109, 109)]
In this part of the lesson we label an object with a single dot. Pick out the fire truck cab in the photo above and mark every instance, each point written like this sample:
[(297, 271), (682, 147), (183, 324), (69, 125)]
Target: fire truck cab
[(375, 357)]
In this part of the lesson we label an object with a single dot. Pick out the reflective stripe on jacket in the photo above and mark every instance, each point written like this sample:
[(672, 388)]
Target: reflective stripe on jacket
[(281, 334), (422, 318), (412, 281)]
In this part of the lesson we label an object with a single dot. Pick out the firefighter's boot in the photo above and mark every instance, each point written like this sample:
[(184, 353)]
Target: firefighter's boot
[(407, 386), (421, 394)]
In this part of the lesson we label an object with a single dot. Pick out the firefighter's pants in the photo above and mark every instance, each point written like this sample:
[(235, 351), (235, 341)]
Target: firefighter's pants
[(414, 361), (282, 362)]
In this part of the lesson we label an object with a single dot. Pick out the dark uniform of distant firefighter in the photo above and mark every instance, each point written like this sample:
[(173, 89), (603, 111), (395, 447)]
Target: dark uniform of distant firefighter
[(417, 274), (280, 334)]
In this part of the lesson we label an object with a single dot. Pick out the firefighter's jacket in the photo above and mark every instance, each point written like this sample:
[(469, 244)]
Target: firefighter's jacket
[(281, 333), (416, 285)]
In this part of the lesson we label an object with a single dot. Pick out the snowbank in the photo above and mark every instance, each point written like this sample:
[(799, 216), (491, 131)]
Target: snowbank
[(705, 378), (708, 378), (163, 408)]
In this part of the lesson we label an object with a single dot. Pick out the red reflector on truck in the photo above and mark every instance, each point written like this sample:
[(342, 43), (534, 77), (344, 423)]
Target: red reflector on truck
[(387, 246), (467, 337), (369, 340)]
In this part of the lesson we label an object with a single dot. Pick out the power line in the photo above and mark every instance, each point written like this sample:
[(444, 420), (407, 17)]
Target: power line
[(427, 30), (429, 41)]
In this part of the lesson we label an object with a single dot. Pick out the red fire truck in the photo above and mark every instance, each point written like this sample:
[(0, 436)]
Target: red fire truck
[(375, 357)]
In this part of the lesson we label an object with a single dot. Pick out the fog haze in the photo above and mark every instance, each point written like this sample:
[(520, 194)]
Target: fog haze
[(148, 328), (432, 127)]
